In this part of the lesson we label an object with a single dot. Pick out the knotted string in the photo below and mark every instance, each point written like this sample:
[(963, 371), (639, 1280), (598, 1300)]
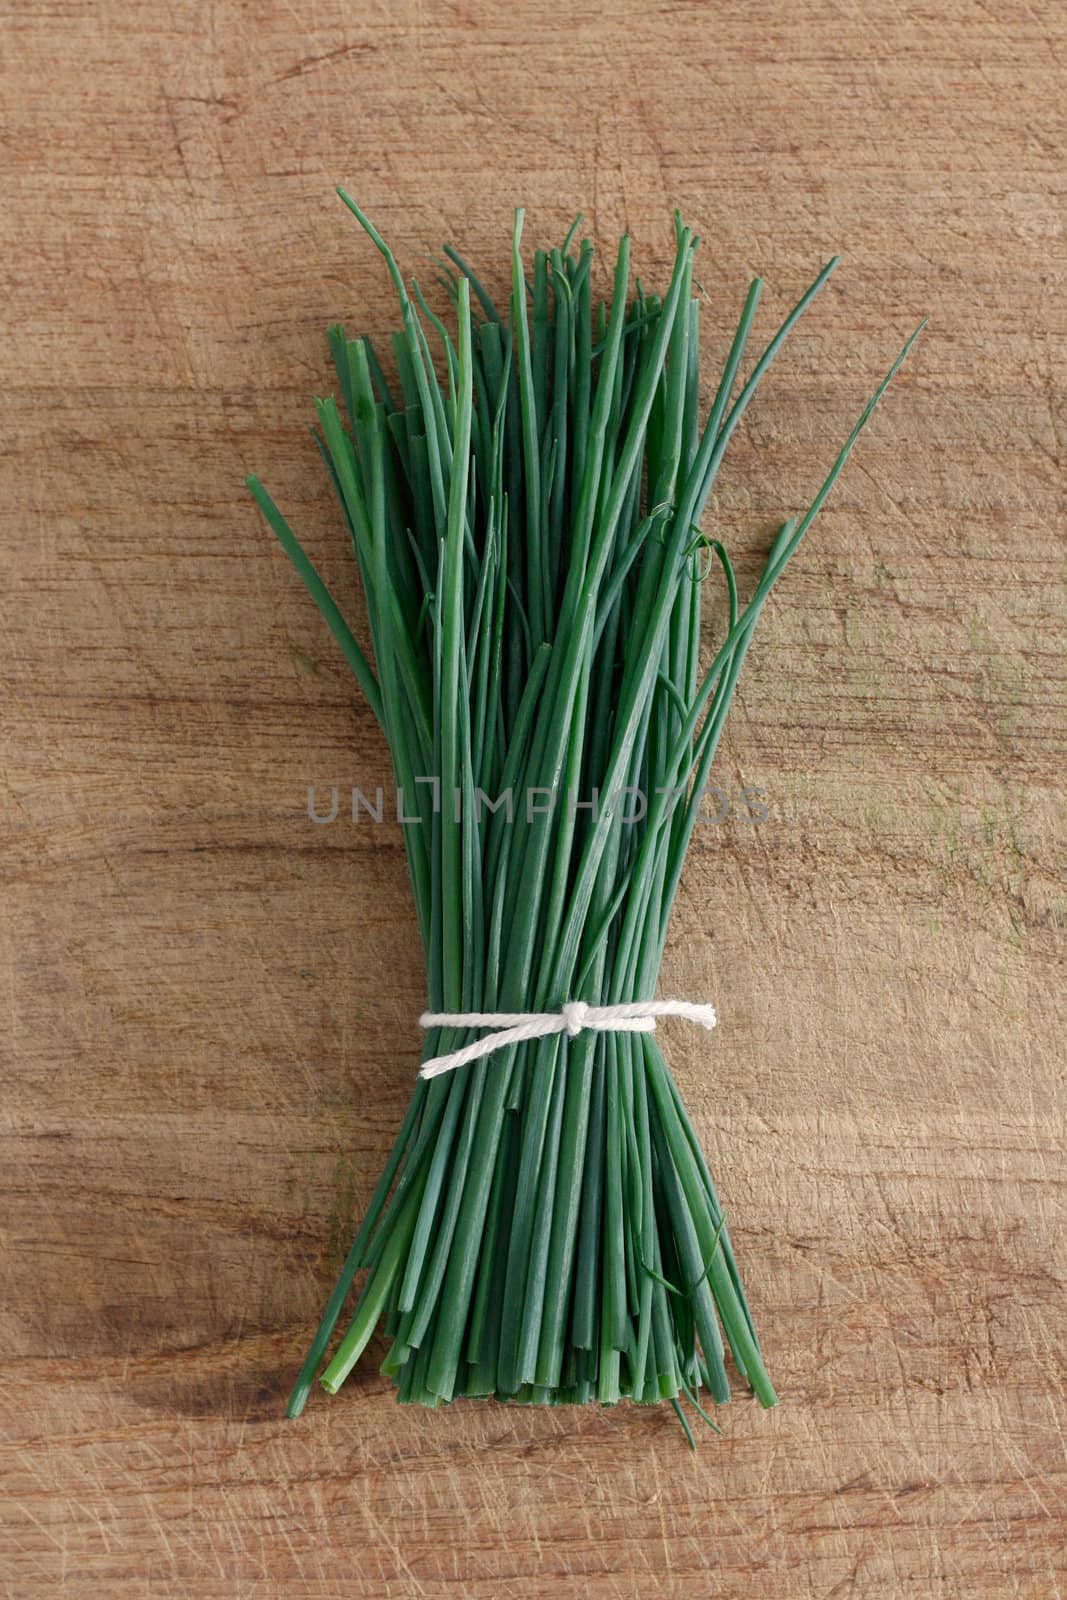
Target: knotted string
[(515, 1027)]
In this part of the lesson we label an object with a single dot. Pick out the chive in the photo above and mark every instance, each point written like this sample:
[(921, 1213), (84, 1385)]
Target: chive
[(528, 536)]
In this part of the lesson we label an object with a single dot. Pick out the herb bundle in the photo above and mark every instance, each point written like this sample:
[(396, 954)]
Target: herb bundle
[(527, 525)]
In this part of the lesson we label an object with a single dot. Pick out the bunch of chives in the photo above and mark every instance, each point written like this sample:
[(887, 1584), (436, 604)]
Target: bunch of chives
[(526, 518)]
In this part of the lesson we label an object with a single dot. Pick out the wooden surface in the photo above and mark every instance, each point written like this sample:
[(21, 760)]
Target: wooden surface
[(201, 989)]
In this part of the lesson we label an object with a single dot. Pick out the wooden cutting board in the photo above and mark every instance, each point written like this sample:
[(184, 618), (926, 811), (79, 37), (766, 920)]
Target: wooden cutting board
[(205, 992)]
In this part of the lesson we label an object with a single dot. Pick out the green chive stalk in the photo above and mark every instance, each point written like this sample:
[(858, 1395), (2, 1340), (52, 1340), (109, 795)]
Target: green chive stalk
[(526, 519)]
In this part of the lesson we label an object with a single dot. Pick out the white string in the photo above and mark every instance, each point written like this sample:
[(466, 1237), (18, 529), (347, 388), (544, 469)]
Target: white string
[(514, 1027)]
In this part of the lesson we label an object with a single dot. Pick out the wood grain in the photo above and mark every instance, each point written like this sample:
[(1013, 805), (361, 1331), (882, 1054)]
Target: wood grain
[(202, 988)]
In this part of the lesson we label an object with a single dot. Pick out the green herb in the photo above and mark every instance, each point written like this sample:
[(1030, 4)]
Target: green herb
[(526, 518)]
